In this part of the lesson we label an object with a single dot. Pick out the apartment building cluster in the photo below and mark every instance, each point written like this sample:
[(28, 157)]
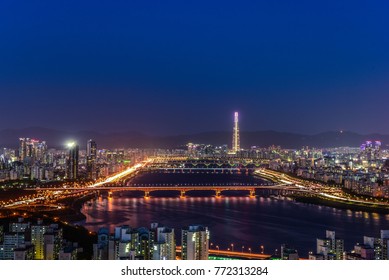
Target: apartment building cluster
[(363, 170), (23, 240), (155, 243)]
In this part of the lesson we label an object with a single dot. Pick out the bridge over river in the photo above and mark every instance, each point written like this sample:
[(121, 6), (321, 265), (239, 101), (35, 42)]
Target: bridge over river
[(147, 190)]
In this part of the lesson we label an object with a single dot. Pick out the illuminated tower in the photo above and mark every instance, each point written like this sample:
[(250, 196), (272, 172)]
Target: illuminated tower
[(22, 148), (32, 149), (235, 135), (91, 155), (72, 166)]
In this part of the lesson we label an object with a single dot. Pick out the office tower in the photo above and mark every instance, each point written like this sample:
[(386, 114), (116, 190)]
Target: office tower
[(91, 155), (330, 247), (235, 135), (195, 243), (72, 162)]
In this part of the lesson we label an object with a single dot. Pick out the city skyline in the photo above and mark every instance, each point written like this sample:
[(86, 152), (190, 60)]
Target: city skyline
[(304, 68), (194, 130), (254, 177)]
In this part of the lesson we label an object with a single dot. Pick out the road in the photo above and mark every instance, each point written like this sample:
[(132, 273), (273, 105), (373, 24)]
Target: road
[(316, 188), (233, 254), (60, 193)]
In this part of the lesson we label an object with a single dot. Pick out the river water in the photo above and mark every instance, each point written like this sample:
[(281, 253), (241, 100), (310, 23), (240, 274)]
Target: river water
[(238, 220)]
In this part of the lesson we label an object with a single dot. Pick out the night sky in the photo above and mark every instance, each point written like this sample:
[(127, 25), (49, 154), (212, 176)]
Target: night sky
[(171, 67)]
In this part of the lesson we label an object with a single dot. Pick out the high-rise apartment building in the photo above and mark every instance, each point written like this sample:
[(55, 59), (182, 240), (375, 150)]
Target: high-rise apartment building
[(38, 239), (195, 243), (11, 241), (379, 245), (142, 243), (91, 155), (72, 161), (100, 249), (26, 240), (24, 252), (1, 233), (164, 243), (32, 149), (330, 247), (128, 243), (53, 239)]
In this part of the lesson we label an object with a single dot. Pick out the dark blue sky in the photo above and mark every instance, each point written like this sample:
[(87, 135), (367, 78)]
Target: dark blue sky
[(167, 67)]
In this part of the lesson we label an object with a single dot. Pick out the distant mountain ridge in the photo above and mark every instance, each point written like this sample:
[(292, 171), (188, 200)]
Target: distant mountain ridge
[(130, 139)]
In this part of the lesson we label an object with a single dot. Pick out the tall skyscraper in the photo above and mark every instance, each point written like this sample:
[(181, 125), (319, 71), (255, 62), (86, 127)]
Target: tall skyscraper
[(72, 163), (22, 148), (40, 151), (91, 155), (195, 243), (32, 149), (235, 135)]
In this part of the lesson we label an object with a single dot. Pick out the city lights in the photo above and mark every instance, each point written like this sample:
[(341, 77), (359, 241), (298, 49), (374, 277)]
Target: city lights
[(88, 174)]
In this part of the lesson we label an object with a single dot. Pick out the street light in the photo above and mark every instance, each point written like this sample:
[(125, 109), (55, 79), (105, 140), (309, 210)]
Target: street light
[(242, 248), (250, 250), (217, 247), (262, 249), (232, 247)]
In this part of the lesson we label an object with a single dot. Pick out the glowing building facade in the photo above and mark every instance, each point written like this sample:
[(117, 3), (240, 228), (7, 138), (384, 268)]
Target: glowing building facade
[(235, 135)]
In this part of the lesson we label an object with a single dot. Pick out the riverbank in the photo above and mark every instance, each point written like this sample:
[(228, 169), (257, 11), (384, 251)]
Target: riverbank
[(72, 208), (69, 212), (353, 206)]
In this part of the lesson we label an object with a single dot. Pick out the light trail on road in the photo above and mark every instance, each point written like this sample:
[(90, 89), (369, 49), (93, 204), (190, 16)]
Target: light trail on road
[(110, 179)]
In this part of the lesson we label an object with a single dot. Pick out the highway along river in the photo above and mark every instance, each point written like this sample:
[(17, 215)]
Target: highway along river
[(234, 218)]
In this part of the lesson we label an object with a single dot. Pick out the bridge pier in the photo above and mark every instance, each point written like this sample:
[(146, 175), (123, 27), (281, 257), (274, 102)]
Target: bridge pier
[(252, 193), (147, 195), (182, 195), (218, 193), (109, 194)]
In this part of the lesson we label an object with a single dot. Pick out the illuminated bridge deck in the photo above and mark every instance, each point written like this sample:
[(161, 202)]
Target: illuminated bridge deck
[(251, 189)]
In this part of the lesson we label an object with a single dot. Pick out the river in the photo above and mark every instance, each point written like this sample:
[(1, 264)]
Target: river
[(238, 220)]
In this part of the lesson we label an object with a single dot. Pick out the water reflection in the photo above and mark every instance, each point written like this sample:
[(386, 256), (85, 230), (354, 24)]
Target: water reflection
[(243, 221)]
